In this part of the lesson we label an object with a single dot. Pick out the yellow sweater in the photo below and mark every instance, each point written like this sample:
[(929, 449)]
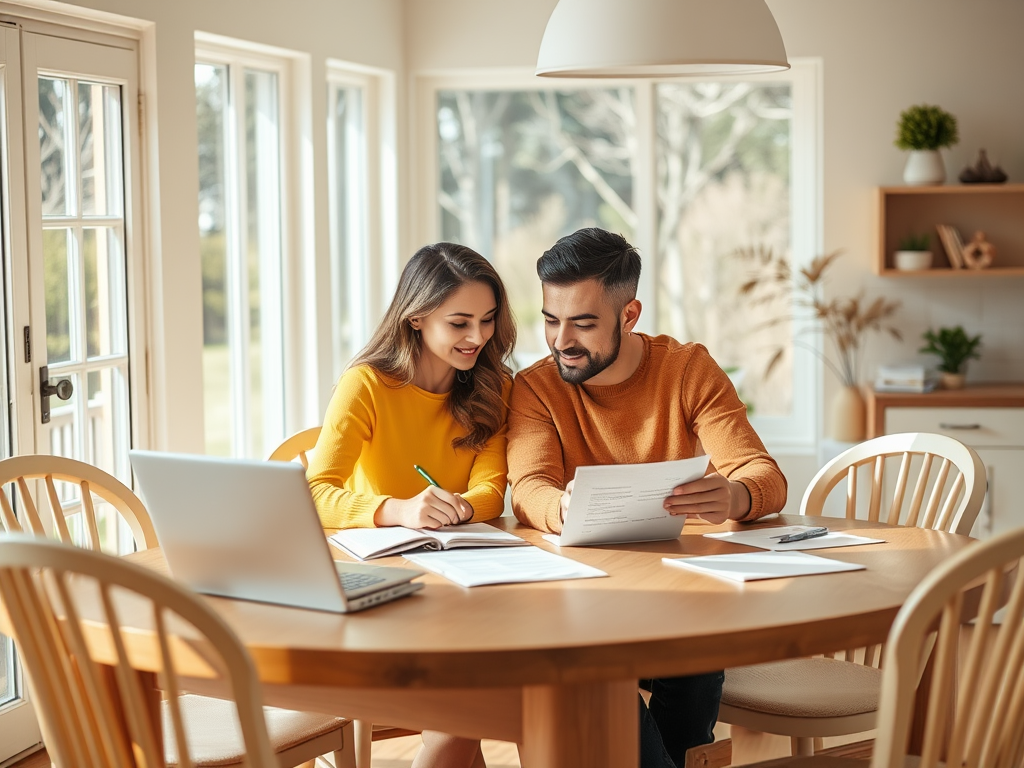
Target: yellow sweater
[(373, 433), (677, 400)]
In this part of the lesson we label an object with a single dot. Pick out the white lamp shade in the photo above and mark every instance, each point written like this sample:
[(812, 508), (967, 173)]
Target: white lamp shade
[(660, 38)]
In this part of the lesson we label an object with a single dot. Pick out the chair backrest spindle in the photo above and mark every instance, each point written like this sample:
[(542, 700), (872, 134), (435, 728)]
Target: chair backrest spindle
[(90, 481)]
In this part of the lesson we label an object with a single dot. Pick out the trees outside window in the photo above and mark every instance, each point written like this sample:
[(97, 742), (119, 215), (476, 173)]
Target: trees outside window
[(238, 111)]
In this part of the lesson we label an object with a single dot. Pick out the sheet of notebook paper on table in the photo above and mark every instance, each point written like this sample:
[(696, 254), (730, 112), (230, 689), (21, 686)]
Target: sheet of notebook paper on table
[(767, 538), (754, 566)]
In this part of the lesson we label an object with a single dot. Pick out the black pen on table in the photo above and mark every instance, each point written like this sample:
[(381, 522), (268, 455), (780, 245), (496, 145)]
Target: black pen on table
[(426, 475), (811, 533)]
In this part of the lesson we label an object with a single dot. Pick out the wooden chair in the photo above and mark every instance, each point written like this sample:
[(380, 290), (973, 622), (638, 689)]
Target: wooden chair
[(294, 448), (92, 719), (21, 470), (974, 711), (807, 699), (297, 446), (216, 743)]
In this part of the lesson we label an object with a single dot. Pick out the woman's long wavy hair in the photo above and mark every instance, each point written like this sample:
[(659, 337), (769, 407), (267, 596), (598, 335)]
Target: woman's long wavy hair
[(433, 274)]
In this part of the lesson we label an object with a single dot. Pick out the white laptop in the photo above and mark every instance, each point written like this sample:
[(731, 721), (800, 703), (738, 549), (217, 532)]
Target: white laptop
[(249, 530)]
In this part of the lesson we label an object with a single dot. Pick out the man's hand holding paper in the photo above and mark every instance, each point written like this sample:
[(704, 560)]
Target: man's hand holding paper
[(713, 497)]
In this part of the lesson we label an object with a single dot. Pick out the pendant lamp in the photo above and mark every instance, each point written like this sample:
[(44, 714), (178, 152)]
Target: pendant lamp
[(660, 38)]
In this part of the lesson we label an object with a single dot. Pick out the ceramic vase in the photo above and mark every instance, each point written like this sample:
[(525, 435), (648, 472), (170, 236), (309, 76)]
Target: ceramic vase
[(924, 166), (848, 415), (953, 380)]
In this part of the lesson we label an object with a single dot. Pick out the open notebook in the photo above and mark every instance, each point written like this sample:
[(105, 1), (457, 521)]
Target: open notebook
[(368, 543)]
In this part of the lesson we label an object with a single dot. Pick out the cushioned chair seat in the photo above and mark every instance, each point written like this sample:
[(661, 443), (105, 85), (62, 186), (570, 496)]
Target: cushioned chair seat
[(804, 688), (215, 738)]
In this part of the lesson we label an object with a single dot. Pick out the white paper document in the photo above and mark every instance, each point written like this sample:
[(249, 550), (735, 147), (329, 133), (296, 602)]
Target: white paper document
[(476, 567), (621, 503), (768, 538), (752, 566)]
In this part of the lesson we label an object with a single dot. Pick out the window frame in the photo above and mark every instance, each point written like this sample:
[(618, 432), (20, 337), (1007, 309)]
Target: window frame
[(370, 282), (237, 57), (794, 435)]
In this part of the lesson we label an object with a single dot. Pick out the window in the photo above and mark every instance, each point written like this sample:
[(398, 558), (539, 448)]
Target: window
[(689, 171), (239, 101), (521, 168), (360, 151)]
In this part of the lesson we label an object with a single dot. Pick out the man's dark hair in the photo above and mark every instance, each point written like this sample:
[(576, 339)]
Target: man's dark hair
[(593, 253)]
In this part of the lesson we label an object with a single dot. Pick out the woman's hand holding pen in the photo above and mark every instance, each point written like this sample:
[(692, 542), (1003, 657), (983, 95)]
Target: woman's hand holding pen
[(431, 508)]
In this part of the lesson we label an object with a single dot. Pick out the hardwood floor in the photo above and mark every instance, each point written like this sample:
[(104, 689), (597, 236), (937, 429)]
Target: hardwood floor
[(392, 753), (398, 753)]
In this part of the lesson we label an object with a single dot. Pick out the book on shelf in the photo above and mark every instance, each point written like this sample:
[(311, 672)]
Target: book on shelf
[(905, 378), (952, 244), (368, 543)]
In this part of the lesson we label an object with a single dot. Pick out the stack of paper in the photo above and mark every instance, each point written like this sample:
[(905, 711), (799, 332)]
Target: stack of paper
[(905, 378), (753, 566)]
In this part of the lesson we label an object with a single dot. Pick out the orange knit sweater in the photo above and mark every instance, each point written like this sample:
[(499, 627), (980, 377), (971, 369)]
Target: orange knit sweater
[(677, 400)]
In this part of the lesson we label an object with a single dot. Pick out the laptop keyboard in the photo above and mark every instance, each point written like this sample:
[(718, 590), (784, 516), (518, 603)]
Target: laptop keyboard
[(351, 580)]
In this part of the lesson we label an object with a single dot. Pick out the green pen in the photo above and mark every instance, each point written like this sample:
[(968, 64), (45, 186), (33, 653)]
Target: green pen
[(426, 475)]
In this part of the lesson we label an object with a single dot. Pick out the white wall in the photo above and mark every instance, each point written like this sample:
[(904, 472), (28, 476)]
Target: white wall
[(880, 56), (361, 31)]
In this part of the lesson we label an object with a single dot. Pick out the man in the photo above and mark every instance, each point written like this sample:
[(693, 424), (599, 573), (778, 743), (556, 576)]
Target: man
[(608, 395)]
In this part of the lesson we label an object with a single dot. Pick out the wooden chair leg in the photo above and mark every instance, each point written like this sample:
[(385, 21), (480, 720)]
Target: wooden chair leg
[(345, 758), (803, 746), (716, 755), (363, 733)]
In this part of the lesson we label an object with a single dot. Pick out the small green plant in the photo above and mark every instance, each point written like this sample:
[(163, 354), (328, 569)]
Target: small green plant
[(926, 127), (914, 242), (953, 346)]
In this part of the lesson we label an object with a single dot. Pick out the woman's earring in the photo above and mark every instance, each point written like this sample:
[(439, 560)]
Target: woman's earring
[(463, 376)]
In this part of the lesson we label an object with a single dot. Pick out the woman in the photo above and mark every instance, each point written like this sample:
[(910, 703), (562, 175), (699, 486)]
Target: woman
[(429, 390)]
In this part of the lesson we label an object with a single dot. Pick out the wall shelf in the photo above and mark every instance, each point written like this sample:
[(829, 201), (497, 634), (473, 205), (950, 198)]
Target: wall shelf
[(996, 209)]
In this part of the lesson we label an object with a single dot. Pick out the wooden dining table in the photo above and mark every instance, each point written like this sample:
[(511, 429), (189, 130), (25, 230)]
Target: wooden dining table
[(553, 666)]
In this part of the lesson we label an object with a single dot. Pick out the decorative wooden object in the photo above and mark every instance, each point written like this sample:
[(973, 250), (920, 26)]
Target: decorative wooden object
[(979, 253)]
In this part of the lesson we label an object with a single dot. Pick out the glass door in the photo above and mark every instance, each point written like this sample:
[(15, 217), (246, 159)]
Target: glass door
[(73, 298), (80, 124), (19, 729)]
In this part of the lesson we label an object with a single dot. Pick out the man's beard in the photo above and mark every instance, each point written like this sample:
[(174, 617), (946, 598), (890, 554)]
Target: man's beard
[(595, 363)]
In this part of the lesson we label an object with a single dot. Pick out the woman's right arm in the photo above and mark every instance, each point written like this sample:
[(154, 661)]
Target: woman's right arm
[(348, 425)]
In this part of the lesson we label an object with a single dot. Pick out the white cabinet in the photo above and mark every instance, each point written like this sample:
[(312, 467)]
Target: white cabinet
[(997, 434)]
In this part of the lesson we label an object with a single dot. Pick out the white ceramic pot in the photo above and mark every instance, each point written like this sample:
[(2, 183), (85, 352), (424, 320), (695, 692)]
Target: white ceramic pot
[(848, 414), (924, 166), (912, 261)]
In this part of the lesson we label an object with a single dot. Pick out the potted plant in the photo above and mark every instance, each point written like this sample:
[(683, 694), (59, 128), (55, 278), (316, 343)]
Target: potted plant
[(954, 348), (914, 253), (924, 130)]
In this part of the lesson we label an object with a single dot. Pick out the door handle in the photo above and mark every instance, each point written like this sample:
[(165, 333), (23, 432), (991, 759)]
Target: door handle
[(62, 389)]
